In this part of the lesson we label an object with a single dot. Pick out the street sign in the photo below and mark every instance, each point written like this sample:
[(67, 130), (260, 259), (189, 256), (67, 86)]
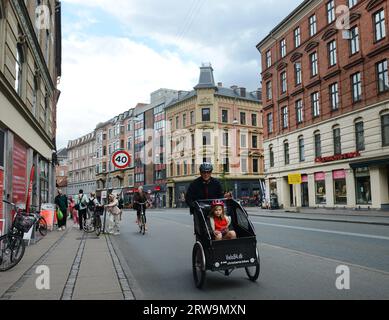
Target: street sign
[(295, 178), (121, 159)]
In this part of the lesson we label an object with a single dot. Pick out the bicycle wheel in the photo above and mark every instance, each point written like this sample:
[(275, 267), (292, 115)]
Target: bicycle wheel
[(143, 224), (12, 249), (98, 226), (42, 226), (198, 265), (89, 225)]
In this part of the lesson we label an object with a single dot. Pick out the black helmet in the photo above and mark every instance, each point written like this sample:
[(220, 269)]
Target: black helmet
[(206, 167)]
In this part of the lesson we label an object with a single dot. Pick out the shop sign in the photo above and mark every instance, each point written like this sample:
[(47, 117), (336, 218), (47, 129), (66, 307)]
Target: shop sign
[(304, 178), (338, 157), (339, 174), (19, 179), (295, 178), (320, 176)]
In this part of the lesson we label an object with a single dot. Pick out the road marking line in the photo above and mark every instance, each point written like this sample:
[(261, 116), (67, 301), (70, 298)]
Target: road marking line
[(325, 231), (324, 258)]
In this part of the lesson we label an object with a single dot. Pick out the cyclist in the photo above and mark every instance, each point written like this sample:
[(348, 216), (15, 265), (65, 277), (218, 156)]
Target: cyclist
[(140, 197), (204, 187)]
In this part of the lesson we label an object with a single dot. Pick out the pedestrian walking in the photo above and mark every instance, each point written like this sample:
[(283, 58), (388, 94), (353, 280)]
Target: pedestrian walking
[(81, 207), (113, 215), (61, 202), (73, 213)]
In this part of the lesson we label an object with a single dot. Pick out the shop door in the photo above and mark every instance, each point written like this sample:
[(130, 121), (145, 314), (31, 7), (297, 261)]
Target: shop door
[(304, 195)]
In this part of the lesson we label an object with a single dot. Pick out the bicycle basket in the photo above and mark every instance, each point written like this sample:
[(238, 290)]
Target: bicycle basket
[(23, 223)]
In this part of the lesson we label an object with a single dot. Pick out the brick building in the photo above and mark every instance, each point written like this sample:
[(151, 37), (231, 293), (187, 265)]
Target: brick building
[(326, 104)]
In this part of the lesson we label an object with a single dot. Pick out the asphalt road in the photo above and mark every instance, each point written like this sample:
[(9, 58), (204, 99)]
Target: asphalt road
[(299, 259)]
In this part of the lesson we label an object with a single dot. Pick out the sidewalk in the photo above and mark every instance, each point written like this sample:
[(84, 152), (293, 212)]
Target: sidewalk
[(82, 267), (336, 215)]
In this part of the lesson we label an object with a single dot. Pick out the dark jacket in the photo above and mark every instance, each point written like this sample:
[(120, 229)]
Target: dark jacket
[(200, 190), (138, 198)]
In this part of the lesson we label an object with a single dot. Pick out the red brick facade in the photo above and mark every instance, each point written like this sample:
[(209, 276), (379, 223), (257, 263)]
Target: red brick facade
[(370, 53)]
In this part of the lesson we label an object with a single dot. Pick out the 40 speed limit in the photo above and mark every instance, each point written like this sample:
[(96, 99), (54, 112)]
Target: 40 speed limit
[(121, 159)]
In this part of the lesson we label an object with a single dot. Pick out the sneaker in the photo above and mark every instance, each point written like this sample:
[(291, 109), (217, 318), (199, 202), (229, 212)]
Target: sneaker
[(116, 233)]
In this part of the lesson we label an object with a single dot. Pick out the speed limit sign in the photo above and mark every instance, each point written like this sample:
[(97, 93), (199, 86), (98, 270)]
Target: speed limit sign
[(121, 159)]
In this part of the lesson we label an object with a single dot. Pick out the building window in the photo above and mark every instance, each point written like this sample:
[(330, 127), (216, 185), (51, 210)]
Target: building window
[(19, 69), (269, 93), (243, 118), (334, 96), (332, 53), (301, 149), (356, 87), (317, 145), (297, 73), (268, 59), (330, 11), (354, 40), (255, 166), (285, 118), (337, 141), (297, 37), (206, 139), (352, 3), (206, 114), (286, 153), (184, 120), (312, 25), (315, 104), (271, 158), (320, 188), (283, 48), (192, 117), (382, 76), (254, 142), (177, 122), (340, 186), (363, 185), (314, 64), (225, 139), (360, 136), (243, 140), (225, 116), (299, 111), (254, 121), (385, 130), (379, 22), (283, 82), (270, 123), (244, 165), (226, 165)]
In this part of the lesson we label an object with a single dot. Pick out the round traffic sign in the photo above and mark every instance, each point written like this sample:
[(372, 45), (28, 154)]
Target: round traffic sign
[(121, 159)]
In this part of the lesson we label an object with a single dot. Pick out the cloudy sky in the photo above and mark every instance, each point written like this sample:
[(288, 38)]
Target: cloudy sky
[(116, 52)]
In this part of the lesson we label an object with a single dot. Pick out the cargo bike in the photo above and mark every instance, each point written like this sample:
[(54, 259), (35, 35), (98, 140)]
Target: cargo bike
[(224, 255)]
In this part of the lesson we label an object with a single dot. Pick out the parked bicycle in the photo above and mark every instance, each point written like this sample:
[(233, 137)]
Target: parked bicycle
[(93, 221), (12, 246)]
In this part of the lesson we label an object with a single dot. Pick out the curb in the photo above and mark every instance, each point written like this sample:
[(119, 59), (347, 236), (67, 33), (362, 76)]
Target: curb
[(321, 219)]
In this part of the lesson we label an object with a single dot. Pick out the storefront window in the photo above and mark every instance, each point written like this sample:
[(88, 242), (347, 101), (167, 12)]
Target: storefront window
[(363, 185), (44, 182), (340, 187), (273, 186), (1, 148), (320, 185)]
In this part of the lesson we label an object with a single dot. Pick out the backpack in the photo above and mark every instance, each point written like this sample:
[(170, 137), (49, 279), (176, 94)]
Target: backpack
[(91, 204)]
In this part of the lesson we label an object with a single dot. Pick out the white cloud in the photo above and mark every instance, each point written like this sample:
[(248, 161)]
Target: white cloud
[(103, 77)]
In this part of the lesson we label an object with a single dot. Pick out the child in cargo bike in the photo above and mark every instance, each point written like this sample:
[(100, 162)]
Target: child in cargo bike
[(220, 223)]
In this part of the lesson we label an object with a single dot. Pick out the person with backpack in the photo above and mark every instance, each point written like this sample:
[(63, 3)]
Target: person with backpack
[(81, 207)]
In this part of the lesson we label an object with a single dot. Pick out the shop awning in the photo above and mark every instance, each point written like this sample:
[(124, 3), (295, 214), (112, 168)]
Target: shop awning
[(370, 163)]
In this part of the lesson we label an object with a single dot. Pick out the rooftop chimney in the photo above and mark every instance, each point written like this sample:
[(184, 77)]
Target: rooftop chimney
[(243, 92), (220, 84), (234, 87)]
